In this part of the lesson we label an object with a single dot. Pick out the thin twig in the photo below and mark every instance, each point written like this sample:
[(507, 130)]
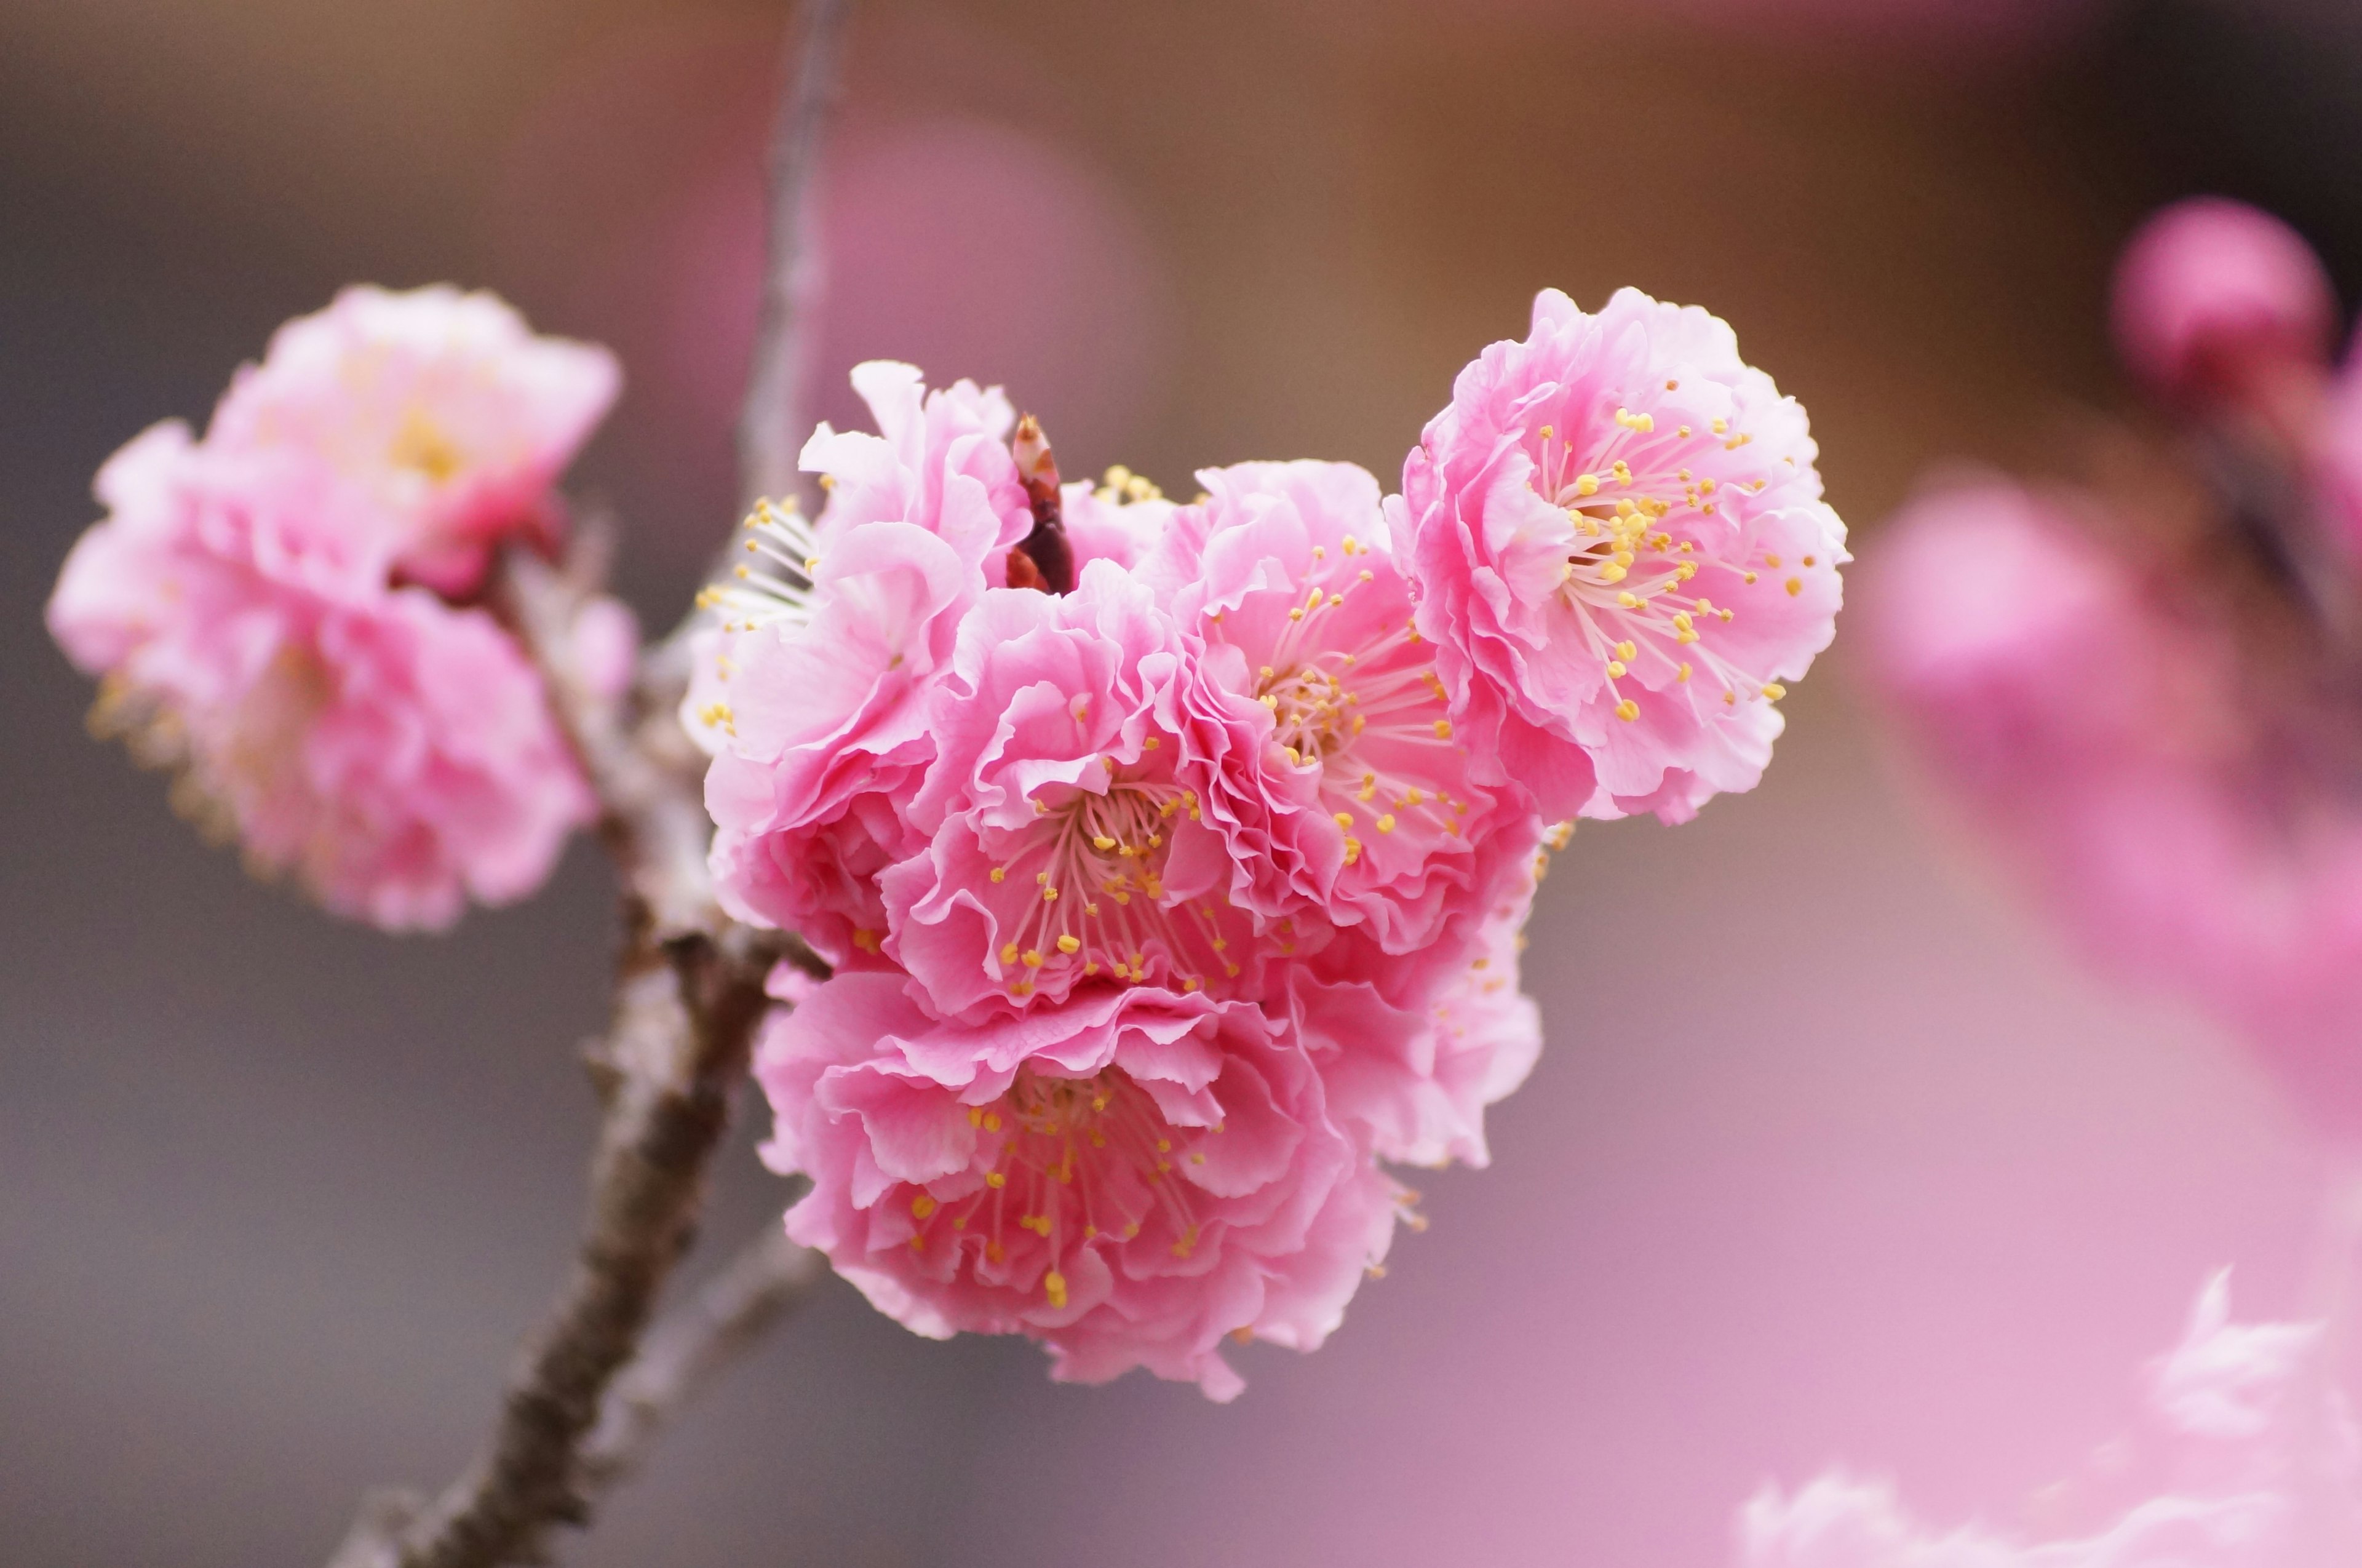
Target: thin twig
[(770, 1277), (688, 993), (771, 423)]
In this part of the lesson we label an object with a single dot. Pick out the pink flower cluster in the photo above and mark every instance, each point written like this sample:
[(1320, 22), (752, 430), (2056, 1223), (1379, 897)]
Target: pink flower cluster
[(2151, 701), (1173, 857), (2261, 1456), (278, 612)]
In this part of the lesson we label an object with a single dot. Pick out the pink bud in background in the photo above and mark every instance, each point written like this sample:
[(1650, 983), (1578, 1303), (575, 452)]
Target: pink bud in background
[(2209, 287)]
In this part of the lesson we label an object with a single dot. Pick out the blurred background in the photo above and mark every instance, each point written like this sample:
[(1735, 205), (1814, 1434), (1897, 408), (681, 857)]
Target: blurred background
[(1832, 1155)]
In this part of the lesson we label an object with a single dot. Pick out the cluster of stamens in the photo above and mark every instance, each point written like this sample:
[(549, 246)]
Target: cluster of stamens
[(1326, 696), (1631, 574), (1073, 1163), (775, 586), (1096, 863)]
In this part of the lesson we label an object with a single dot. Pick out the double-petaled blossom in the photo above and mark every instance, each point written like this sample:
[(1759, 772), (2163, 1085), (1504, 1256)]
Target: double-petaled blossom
[(2149, 698), (814, 693), (394, 754), (1616, 541), (2264, 1462), (1175, 855), (269, 609), (1346, 792), (1066, 842), (446, 417), (1130, 1177)]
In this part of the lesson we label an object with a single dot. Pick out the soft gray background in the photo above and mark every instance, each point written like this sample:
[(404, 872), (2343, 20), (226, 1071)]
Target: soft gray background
[(1832, 1152)]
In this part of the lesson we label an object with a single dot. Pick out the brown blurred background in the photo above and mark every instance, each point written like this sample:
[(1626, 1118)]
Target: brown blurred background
[(277, 1194)]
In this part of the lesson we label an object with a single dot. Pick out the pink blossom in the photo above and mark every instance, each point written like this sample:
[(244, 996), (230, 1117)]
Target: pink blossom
[(2209, 283), (2262, 1453), (446, 417), (814, 697), (392, 753), (1063, 816), (1128, 1178), (2182, 801), (1414, 1082), (1341, 781), (1617, 544)]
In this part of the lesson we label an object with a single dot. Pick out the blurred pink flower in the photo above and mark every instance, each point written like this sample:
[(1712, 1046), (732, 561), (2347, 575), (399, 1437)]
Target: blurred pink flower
[(2207, 285), (2261, 1445), (1617, 544), (1349, 797), (1127, 1178), (2195, 829), (392, 753), (442, 409)]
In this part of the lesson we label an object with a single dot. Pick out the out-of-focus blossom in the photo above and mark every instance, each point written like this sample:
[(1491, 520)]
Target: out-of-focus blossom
[(1129, 1178), (2108, 734), (449, 419), (2208, 286), (2263, 1471), (1616, 541), (2151, 695), (394, 754)]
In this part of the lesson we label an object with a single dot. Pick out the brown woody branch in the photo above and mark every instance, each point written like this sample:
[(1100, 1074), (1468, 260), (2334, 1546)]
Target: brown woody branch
[(688, 993)]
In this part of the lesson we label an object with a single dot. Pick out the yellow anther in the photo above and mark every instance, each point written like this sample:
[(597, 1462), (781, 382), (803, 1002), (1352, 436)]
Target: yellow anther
[(995, 1179), (1795, 586), (1009, 954), (1054, 1285), (1386, 823), (1049, 895), (974, 1116), (1103, 842), (1773, 690), (1628, 710), (1682, 674), (1629, 600), (1625, 649), (992, 1121), (1345, 819), (1443, 729), (1586, 484), (1616, 671), (921, 1206), (1070, 944)]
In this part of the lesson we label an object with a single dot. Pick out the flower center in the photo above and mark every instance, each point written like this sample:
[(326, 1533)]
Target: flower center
[(1626, 581), (1096, 863), (1071, 1163)]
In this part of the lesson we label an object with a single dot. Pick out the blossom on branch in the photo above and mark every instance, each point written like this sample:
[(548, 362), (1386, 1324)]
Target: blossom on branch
[(1616, 541), (1174, 857)]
